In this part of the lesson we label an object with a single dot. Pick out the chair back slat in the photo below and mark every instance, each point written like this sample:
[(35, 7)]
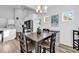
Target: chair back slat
[(22, 43)]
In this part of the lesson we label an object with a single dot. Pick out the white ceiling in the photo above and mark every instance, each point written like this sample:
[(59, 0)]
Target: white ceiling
[(35, 6), (32, 6)]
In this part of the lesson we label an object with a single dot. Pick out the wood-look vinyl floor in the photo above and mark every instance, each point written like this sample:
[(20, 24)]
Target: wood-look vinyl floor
[(13, 46)]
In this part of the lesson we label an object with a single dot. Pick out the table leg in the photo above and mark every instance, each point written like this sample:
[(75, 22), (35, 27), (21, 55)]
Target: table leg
[(54, 47), (37, 47), (2, 37), (26, 45), (52, 43)]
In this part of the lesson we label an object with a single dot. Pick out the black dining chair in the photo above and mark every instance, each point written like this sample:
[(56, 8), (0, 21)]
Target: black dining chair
[(22, 43), (49, 43), (25, 45), (46, 30)]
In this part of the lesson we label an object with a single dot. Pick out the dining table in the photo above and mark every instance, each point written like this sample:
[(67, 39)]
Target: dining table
[(38, 38)]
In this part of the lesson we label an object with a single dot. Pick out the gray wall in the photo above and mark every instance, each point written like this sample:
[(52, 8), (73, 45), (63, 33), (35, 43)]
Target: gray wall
[(6, 12), (65, 28), (13, 11), (23, 13)]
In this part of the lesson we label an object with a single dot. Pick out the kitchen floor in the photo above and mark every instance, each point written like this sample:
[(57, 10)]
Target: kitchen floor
[(13, 46)]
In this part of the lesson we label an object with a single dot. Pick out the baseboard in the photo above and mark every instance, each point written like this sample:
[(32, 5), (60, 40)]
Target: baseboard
[(65, 45)]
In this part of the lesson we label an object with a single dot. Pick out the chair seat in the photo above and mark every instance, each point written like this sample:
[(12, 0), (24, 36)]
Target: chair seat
[(28, 42), (45, 45), (30, 47)]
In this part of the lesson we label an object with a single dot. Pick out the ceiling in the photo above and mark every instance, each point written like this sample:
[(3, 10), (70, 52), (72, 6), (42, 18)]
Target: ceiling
[(35, 6)]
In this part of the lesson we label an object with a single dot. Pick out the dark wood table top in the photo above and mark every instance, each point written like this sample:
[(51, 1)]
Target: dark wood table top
[(36, 37), (54, 31)]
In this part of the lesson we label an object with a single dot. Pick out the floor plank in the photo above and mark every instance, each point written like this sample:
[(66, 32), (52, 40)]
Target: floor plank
[(13, 46)]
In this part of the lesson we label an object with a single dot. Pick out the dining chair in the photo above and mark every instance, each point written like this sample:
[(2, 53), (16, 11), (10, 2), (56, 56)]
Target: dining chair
[(25, 45), (46, 30), (22, 43), (48, 44)]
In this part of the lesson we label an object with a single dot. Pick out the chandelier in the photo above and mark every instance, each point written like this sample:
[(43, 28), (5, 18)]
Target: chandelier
[(41, 9)]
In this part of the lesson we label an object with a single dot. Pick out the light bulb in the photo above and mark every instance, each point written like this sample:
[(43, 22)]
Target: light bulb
[(45, 7)]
